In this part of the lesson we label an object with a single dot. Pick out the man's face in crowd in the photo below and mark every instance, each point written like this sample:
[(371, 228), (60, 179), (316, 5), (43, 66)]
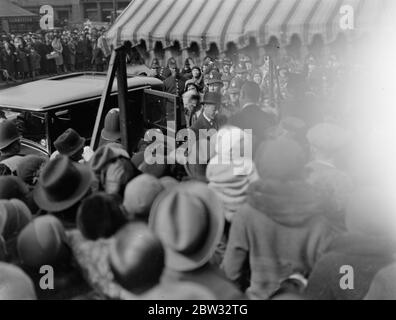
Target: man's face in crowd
[(234, 97), (226, 68), (249, 65), (195, 73), (226, 85), (210, 110), (173, 70)]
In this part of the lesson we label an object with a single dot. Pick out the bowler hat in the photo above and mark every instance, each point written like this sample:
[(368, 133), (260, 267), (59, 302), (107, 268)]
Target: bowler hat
[(112, 130), (69, 142), (189, 222), (211, 98), (62, 184), (43, 241), (8, 133)]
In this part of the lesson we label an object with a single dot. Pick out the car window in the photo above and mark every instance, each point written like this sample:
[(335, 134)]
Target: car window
[(80, 117), (31, 125)]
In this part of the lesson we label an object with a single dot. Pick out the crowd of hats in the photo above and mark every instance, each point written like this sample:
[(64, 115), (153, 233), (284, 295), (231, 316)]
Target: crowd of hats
[(275, 223)]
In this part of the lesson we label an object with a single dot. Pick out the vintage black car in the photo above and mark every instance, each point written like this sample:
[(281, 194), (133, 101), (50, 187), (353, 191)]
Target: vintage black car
[(45, 108)]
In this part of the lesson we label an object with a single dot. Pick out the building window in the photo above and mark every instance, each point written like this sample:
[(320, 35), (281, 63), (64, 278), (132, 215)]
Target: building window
[(90, 11), (63, 15)]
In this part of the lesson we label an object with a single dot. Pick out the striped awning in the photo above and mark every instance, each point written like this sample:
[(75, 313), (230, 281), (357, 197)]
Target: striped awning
[(224, 21)]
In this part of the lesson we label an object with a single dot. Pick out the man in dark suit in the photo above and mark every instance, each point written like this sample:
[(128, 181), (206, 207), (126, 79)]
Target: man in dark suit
[(175, 83), (208, 119), (251, 116)]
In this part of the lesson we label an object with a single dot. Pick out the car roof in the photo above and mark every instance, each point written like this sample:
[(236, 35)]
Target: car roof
[(43, 94)]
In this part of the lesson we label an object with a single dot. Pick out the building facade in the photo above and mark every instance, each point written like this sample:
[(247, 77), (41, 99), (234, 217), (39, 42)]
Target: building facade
[(15, 19), (77, 11)]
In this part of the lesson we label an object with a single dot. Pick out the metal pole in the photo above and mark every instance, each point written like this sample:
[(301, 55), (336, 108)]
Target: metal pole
[(114, 10)]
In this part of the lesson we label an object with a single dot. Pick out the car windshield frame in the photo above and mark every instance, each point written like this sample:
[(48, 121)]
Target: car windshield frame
[(25, 140)]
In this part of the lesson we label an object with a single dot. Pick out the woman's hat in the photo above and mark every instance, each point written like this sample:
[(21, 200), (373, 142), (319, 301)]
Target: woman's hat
[(28, 168), (136, 258), (12, 187), (140, 194), (100, 216), (189, 222), (62, 184), (106, 154), (43, 241), (112, 130), (14, 216), (69, 142), (15, 284)]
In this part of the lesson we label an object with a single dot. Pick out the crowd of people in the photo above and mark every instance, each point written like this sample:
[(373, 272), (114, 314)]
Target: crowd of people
[(45, 53), (283, 225)]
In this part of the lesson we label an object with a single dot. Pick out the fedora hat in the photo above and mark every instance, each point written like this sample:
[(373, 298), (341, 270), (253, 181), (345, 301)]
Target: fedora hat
[(112, 130), (8, 133), (62, 184), (189, 222), (69, 142)]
